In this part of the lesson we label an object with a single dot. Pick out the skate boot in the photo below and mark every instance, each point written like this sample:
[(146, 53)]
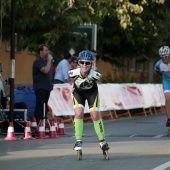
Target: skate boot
[(78, 148), (168, 125), (78, 145), (105, 147)]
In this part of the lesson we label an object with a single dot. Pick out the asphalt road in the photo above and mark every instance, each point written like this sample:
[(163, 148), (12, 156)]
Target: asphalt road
[(138, 143)]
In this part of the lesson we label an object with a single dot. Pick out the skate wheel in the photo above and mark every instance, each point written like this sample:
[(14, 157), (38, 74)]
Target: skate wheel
[(106, 154), (79, 154)]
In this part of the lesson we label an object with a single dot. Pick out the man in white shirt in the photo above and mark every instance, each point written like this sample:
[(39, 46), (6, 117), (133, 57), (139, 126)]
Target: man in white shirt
[(61, 72)]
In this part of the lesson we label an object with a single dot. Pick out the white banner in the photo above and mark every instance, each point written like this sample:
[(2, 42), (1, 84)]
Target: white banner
[(60, 100), (112, 97)]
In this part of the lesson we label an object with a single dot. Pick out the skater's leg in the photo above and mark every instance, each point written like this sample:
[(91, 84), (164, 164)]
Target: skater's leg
[(78, 128), (167, 103), (168, 125), (99, 129), (167, 107), (98, 125)]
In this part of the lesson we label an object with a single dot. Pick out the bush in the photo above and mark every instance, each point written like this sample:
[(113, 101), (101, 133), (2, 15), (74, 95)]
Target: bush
[(118, 79)]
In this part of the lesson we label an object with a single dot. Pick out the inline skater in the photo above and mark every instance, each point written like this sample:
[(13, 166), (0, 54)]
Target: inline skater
[(162, 66), (85, 88)]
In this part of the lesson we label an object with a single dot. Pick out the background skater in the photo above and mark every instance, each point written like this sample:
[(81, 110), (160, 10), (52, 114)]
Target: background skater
[(163, 67)]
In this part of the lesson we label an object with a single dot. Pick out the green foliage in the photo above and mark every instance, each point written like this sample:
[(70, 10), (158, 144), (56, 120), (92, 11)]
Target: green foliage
[(107, 79), (157, 78), (140, 31), (125, 28), (118, 78)]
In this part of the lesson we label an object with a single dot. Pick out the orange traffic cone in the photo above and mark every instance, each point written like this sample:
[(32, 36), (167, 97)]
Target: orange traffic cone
[(56, 125), (61, 130), (52, 133), (10, 133), (33, 125), (41, 130), (27, 133)]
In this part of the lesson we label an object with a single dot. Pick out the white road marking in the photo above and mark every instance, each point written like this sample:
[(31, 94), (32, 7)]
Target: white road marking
[(132, 136), (158, 136), (163, 166)]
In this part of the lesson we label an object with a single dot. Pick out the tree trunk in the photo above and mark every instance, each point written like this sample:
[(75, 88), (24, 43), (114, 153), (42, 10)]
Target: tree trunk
[(124, 71), (150, 70)]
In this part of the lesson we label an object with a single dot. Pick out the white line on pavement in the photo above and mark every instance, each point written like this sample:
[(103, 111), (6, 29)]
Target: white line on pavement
[(163, 166), (132, 136), (158, 136)]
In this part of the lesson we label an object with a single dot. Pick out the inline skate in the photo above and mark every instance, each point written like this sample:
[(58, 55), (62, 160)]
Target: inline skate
[(105, 147), (78, 148)]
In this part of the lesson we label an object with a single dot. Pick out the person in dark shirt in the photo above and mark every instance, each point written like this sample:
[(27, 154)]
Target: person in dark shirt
[(42, 81)]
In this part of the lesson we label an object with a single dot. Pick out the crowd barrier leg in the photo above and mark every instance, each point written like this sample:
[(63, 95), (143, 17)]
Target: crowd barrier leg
[(154, 110), (69, 119), (108, 114), (148, 111), (161, 109), (115, 114), (126, 113), (145, 112), (164, 109)]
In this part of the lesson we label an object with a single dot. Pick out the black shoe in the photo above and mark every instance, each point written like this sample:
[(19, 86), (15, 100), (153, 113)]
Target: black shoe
[(168, 123), (34, 134)]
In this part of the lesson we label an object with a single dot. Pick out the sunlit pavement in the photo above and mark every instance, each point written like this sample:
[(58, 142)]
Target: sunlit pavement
[(138, 140)]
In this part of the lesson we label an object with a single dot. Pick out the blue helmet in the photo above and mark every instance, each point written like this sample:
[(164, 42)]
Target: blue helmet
[(86, 55)]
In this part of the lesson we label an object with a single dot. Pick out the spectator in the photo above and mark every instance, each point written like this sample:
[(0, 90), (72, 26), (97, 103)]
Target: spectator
[(73, 63), (42, 80), (61, 72)]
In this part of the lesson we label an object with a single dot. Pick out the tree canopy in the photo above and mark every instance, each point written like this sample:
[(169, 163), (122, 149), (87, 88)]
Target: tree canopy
[(125, 27)]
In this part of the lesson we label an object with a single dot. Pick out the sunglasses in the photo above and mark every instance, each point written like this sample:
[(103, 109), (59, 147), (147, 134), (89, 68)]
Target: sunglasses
[(85, 62), (163, 57)]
